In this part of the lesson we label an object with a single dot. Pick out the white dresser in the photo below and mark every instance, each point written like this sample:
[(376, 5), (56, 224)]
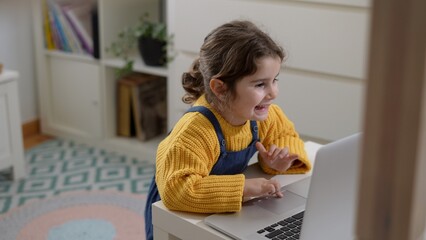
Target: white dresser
[(11, 145)]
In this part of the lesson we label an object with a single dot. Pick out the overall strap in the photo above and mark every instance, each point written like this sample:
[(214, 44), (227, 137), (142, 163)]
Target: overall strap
[(254, 131), (212, 118), (209, 115), (233, 162)]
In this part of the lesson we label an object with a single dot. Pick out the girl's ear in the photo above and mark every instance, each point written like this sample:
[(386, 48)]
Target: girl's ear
[(218, 87)]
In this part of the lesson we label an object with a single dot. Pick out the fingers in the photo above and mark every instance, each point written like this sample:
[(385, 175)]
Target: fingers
[(277, 158), (255, 187), (263, 152), (273, 152), (280, 153), (277, 187), (279, 194), (270, 154), (261, 148), (274, 188)]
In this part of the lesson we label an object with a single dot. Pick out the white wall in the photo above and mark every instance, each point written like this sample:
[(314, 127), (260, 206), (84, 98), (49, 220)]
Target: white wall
[(322, 82), (16, 52)]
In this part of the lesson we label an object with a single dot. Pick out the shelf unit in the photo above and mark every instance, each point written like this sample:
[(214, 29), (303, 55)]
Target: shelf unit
[(77, 93)]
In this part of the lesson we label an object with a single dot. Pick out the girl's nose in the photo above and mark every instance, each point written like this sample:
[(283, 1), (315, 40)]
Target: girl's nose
[(273, 91)]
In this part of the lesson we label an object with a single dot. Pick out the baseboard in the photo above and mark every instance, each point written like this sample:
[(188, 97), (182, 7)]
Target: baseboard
[(31, 128)]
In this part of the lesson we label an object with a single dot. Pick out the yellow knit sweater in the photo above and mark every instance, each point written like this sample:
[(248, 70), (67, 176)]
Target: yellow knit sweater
[(187, 155)]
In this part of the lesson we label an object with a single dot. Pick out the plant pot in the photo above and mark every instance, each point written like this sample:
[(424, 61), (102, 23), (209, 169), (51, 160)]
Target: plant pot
[(152, 51)]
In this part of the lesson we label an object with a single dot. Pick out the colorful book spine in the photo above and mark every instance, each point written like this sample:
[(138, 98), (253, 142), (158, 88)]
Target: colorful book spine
[(62, 37), (84, 37), (46, 26), (54, 31), (72, 39)]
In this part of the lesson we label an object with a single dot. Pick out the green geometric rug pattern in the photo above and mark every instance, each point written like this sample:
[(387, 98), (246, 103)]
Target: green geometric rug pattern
[(59, 166)]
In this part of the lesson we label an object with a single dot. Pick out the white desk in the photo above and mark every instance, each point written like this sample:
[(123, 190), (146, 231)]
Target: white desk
[(182, 225)]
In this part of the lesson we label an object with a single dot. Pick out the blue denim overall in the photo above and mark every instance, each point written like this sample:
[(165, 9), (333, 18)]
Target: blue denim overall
[(229, 163)]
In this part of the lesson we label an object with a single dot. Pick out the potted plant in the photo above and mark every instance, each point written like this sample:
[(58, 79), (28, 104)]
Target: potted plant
[(151, 39)]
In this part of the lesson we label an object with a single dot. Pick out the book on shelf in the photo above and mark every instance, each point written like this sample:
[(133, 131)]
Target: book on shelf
[(95, 32), (48, 38), (125, 119), (57, 44), (70, 38), (148, 106), (69, 26), (58, 26), (79, 19)]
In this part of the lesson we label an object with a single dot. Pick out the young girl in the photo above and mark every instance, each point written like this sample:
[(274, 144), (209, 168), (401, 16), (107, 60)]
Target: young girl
[(231, 87)]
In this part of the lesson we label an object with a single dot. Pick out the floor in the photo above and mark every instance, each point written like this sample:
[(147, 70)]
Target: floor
[(34, 140), (29, 142), (62, 166)]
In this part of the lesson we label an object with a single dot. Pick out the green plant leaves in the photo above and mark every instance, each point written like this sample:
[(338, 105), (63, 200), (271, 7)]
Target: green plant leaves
[(127, 39)]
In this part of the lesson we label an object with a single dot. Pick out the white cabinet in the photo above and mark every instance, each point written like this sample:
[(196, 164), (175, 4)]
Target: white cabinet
[(78, 92), (11, 146), (74, 96)]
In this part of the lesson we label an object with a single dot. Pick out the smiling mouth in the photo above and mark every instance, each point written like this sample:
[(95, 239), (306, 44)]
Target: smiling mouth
[(261, 107)]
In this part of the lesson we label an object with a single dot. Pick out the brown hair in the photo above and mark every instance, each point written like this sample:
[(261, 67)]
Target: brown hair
[(228, 53)]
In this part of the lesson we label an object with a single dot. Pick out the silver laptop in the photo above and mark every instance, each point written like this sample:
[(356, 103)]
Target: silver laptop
[(321, 206)]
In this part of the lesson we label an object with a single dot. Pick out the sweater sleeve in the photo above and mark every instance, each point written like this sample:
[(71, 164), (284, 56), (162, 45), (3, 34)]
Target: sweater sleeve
[(184, 161), (279, 130)]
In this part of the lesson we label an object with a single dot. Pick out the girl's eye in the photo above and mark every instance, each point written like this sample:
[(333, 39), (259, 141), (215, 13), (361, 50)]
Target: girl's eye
[(260, 85)]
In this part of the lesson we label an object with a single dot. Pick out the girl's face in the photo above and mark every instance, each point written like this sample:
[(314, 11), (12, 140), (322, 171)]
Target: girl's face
[(255, 93)]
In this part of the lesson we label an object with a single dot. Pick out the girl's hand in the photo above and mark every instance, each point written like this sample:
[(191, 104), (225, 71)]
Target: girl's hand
[(255, 187), (276, 158)]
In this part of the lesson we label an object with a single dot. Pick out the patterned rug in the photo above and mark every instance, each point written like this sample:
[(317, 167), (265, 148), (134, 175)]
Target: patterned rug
[(84, 216), (72, 186)]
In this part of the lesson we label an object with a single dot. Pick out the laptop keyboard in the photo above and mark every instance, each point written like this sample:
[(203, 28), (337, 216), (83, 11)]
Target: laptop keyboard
[(288, 229)]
